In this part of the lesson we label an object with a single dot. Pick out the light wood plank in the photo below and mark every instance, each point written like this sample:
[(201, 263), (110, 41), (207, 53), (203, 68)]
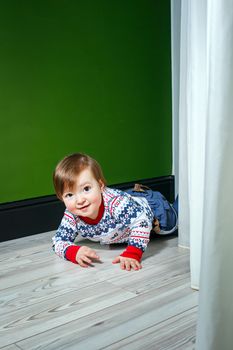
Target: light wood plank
[(122, 320), (39, 317), (49, 303), (11, 347), (177, 332)]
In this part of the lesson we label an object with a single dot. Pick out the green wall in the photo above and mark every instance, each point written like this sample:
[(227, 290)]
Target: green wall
[(83, 75)]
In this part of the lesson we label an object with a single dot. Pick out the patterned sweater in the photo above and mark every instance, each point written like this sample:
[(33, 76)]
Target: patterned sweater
[(124, 218)]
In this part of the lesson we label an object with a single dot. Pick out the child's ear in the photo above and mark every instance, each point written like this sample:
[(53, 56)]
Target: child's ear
[(102, 185)]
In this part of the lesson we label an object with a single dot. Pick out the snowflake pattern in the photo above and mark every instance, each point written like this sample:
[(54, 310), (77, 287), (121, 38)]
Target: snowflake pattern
[(125, 219)]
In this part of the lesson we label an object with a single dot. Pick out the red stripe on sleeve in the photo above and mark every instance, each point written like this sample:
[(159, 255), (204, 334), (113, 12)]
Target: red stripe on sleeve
[(71, 252), (133, 253)]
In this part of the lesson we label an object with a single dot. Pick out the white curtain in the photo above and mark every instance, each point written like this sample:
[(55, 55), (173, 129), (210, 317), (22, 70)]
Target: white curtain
[(206, 160)]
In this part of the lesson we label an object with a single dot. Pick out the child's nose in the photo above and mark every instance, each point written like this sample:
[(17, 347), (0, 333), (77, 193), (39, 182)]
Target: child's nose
[(79, 199)]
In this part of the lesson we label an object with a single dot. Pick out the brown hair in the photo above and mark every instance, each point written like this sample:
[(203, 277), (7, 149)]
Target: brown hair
[(70, 167)]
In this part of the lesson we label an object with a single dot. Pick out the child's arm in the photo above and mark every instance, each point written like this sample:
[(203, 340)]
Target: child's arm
[(137, 220), (65, 235), (63, 243)]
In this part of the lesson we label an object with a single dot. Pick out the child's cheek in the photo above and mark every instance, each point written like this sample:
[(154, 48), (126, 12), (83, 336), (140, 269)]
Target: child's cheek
[(97, 199), (69, 205)]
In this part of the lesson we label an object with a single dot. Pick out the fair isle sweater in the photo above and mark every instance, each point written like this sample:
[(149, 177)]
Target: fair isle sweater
[(122, 218)]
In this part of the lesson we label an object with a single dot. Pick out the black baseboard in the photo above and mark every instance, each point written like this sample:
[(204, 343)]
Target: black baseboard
[(37, 215)]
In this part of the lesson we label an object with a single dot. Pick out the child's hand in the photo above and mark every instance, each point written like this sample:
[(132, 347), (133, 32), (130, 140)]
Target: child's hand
[(85, 255), (127, 263)]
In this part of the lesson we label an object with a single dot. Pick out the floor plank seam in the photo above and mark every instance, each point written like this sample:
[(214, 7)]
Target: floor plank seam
[(151, 327), (103, 307), (70, 322)]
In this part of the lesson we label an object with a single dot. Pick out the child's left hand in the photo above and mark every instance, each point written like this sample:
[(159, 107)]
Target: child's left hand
[(127, 263)]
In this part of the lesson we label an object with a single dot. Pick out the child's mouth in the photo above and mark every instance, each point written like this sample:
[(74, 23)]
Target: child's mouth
[(84, 207)]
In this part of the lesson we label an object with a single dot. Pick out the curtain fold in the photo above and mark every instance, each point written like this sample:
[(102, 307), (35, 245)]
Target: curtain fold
[(175, 43), (192, 129), (215, 319), (206, 162)]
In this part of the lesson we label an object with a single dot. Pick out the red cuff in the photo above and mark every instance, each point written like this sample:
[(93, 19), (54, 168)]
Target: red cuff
[(71, 252), (133, 253)]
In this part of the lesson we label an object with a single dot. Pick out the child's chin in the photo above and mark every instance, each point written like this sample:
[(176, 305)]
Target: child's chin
[(76, 212), (84, 213)]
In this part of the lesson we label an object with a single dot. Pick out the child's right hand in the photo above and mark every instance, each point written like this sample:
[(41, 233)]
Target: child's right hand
[(85, 255)]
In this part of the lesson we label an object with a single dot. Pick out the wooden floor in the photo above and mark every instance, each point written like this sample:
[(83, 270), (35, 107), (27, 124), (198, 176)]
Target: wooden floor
[(48, 303)]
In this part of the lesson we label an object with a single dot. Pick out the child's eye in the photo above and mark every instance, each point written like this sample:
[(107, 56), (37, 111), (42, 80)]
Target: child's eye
[(68, 195), (86, 188)]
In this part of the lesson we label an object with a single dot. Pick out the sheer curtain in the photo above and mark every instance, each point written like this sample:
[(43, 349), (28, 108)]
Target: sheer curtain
[(205, 154)]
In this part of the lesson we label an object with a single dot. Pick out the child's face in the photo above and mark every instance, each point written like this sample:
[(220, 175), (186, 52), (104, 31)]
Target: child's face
[(86, 196)]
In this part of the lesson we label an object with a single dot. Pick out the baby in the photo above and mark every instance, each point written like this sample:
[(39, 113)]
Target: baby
[(98, 213)]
